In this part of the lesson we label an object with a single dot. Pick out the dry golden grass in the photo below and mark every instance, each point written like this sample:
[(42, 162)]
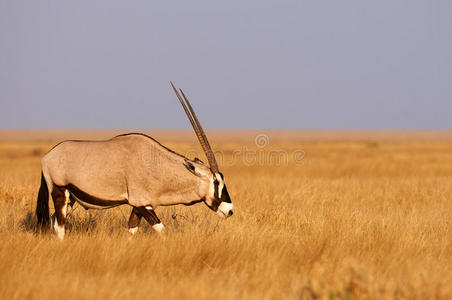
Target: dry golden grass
[(362, 215)]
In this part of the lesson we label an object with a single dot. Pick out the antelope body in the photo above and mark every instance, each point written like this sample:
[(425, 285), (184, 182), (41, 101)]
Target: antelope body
[(131, 169)]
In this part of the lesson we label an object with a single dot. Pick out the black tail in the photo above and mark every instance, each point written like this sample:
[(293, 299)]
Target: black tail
[(42, 208)]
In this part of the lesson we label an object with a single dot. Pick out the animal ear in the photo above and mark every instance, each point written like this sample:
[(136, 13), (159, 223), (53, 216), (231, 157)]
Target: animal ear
[(197, 160), (190, 167)]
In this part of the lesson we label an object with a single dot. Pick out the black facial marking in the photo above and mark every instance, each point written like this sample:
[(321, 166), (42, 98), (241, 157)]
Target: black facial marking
[(216, 196), (225, 195), (217, 201), (189, 165)]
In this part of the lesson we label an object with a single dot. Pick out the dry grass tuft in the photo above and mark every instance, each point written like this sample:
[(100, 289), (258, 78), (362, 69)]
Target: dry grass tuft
[(367, 218)]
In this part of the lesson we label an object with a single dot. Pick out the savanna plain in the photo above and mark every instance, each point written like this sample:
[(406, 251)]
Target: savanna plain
[(318, 215)]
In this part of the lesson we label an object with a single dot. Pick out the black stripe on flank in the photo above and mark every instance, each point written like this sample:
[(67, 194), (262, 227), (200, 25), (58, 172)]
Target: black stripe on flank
[(85, 197)]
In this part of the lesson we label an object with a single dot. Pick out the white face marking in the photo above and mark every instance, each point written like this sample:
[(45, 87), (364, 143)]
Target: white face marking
[(148, 207), (220, 184), (158, 227), (224, 209), (212, 189), (133, 230)]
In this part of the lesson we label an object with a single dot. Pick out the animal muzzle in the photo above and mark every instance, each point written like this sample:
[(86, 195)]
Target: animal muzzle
[(226, 209)]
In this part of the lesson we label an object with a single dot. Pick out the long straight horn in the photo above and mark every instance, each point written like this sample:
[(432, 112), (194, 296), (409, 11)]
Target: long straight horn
[(209, 153), (198, 130), (193, 124)]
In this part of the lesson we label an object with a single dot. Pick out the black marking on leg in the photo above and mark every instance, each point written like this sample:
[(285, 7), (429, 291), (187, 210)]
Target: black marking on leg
[(149, 215), (59, 201), (135, 218)]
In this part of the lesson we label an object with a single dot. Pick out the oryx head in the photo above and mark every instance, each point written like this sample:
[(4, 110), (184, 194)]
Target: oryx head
[(216, 196)]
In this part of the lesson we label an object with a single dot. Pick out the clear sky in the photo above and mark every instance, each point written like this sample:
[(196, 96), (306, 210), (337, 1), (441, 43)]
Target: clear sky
[(243, 64)]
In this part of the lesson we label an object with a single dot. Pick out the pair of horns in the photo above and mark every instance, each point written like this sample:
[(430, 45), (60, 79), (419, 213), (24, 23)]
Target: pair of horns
[(198, 130)]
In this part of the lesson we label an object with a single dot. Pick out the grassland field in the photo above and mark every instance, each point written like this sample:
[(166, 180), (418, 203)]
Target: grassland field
[(318, 215)]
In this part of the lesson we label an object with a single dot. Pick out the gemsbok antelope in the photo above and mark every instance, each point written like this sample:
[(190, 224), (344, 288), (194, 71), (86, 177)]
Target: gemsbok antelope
[(131, 169)]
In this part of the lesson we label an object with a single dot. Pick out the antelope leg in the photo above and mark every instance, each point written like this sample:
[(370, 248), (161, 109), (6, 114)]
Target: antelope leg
[(149, 215), (134, 220), (60, 198)]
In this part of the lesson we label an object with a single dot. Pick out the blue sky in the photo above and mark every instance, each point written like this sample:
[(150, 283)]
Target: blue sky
[(243, 64)]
